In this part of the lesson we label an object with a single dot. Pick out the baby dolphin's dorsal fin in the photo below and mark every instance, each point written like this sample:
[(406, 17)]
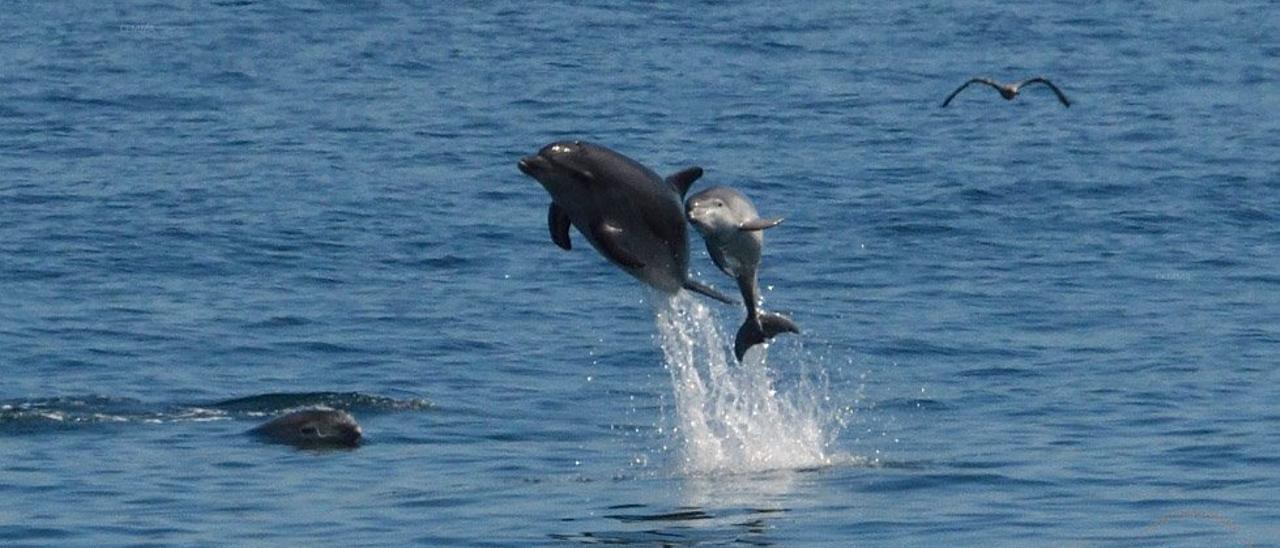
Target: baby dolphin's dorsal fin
[(684, 179), (760, 224)]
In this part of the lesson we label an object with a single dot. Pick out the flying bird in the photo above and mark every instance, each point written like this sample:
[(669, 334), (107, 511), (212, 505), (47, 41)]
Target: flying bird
[(1009, 91)]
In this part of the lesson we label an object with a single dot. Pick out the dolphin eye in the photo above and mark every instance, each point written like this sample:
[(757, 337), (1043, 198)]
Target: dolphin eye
[(310, 431)]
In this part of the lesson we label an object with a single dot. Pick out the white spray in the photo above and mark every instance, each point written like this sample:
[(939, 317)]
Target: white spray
[(730, 417)]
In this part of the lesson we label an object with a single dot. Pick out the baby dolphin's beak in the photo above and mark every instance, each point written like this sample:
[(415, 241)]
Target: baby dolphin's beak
[(697, 216)]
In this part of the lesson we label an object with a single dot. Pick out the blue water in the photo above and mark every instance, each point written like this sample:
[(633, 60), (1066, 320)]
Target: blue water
[(1023, 323)]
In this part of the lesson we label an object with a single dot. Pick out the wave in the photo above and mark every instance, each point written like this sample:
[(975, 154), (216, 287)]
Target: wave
[(36, 415)]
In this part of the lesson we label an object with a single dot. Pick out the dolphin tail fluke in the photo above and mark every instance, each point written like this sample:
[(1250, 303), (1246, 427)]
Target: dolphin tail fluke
[(697, 287), (752, 332), (774, 324)]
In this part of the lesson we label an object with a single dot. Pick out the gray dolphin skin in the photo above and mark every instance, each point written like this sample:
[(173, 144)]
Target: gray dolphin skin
[(629, 215), (733, 230), (312, 428)]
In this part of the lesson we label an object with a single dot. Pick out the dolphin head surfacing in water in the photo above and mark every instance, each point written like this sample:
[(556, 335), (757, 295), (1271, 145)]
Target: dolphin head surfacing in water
[(629, 215), (312, 428), (733, 230)]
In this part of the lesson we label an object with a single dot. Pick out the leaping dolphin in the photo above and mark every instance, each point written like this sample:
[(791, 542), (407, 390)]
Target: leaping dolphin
[(732, 229), (630, 215)]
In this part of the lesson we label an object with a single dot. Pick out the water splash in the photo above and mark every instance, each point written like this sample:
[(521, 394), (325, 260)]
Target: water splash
[(731, 417)]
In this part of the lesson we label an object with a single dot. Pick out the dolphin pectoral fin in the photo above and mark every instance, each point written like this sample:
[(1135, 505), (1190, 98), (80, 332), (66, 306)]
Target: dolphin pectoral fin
[(609, 237), (558, 223), (684, 179), (758, 330), (760, 224), (698, 287)]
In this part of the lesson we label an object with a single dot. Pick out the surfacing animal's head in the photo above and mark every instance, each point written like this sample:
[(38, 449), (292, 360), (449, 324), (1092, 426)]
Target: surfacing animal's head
[(560, 165), (322, 428)]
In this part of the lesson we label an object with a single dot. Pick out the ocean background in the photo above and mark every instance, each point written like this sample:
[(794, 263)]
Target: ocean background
[(1023, 324)]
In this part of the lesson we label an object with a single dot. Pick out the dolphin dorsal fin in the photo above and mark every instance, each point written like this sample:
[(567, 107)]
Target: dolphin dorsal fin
[(684, 179)]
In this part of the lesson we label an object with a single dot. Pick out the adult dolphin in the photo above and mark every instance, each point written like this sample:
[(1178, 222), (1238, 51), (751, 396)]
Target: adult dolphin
[(634, 218)]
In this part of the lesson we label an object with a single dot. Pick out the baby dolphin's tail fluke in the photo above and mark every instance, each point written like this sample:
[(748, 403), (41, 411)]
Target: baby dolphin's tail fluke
[(760, 328)]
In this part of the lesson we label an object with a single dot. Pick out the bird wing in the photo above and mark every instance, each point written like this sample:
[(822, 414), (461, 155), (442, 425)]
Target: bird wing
[(986, 81), (1056, 91)]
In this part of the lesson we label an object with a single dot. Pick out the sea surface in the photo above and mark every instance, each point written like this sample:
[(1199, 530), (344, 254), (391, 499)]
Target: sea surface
[(1023, 324)]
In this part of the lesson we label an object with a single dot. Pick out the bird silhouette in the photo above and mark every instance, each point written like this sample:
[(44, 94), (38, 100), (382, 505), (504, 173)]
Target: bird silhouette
[(1009, 91)]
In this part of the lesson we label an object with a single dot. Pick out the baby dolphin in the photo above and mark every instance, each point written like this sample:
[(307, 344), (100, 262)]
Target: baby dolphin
[(312, 428), (1009, 91), (629, 214), (732, 229)]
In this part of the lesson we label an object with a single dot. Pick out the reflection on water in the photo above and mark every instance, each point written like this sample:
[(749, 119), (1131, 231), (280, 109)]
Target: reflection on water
[(640, 524), (755, 490)]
